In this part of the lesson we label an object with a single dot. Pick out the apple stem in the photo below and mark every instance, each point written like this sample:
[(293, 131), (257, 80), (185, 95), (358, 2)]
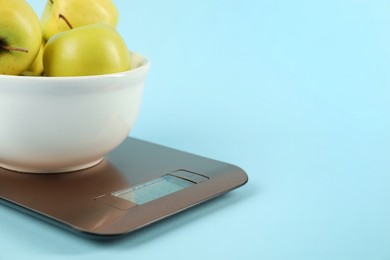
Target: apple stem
[(9, 48), (61, 16)]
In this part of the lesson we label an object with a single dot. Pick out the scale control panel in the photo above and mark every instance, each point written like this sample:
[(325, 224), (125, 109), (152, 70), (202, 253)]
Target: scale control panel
[(151, 190)]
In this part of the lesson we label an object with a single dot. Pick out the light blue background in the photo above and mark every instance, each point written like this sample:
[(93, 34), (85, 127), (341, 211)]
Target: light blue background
[(295, 92)]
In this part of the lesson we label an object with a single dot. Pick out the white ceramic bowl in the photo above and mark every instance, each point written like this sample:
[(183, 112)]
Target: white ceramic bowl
[(60, 124)]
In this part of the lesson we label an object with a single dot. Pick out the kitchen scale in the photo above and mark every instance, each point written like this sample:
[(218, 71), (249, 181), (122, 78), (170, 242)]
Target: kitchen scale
[(137, 184)]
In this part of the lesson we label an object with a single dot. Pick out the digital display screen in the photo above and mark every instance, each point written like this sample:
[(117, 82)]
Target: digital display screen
[(152, 190)]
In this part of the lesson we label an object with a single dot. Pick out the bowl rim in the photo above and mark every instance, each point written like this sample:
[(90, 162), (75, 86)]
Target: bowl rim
[(145, 64)]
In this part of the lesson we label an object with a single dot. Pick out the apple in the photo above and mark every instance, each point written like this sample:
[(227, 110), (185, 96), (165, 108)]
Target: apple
[(20, 36), (87, 50), (80, 12), (36, 68)]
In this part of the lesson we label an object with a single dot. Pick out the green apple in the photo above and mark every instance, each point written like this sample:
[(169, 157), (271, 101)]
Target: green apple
[(79, 12), (87, 50), (20, 36), (36, 68)]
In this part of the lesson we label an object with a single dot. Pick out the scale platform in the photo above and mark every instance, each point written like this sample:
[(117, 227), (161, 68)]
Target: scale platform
[(136, 185)]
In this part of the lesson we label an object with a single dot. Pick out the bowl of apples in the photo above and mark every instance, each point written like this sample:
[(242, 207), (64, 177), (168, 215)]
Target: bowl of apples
[(69, 94)]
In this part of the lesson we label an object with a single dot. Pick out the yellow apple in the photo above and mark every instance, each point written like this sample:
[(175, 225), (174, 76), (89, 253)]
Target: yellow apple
[(78, 12), (20, 36), (36, 68), (87, 50)]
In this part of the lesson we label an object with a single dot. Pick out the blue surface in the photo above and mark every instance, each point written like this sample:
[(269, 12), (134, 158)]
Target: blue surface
[(295, 92)]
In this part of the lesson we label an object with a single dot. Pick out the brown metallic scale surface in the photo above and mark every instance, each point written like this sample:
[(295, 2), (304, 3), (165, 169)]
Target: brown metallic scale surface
[(81, 200)]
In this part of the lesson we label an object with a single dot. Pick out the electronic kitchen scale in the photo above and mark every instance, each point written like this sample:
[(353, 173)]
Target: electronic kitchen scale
[(136, 185)]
